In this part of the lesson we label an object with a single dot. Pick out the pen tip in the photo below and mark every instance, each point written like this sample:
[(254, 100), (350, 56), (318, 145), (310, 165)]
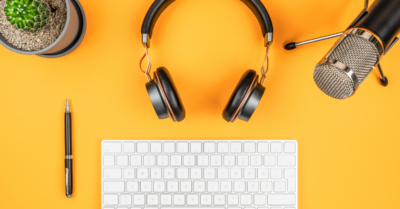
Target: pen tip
[(67, 107), (69, 196)]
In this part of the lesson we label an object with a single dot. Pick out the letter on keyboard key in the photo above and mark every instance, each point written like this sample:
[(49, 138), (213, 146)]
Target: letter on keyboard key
[(159, 186), (195, 147), (192, 199), (219, 199), (132, 186), (263, 173), (199, 186), (209, 173), (212, 186), (172, 186), (226, 186), (260, 199), (179, 199), (205, 199), (236, 173), (252, 186), (186, 186), (166, 199), (143, 147), (281, 199), (129, 147), (249, 173), (145, 186), (152, 199), (249, 147), (142, 173), (155, 173), (112, 173), (129, 173), (114, 147), (286, 160), (138, 199), (209, 147), (223, 173), (169, 147), (195, 173), (266, 186), (113, 186), (110, 199), (239, 186), (155, 147), (182, 173), (169, 173)]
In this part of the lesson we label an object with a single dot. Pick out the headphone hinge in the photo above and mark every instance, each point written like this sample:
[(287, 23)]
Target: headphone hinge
[(146, 40)]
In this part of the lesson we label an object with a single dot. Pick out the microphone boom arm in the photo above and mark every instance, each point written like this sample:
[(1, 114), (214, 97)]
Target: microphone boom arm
[(293, 45)]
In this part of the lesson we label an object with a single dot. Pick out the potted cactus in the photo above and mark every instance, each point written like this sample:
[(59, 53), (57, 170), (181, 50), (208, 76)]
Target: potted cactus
[(47, 28)]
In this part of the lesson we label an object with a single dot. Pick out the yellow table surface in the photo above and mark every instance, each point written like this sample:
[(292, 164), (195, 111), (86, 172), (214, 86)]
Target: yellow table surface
[(349, 150)]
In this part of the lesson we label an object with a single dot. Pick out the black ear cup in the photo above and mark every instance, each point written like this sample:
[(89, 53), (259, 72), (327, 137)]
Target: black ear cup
[(164, 96), (245, 98)]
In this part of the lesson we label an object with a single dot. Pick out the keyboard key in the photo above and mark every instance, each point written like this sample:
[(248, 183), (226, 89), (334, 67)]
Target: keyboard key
[(281, 199), (110, 199), (129, 173), (149, 160), (195, 173), (262, 147), (199, 186), (166, 199), (179, 199), (262, 173), (280, 186), (223, 147), (155, 147), (219, 199), (205, 199), (203, 160), (176, 160), (209, 173), (236, 173), (286, 160), (112, 147), (212, 186), (216, 160), (152, 199), (192, 199), (195, 207), (112, 173), (186, 186), (276, 147), (108, 160), (243, 160), (142, 173), (182, 173), (113, 186), (226, 186), (276, 173), (182, 147), (122, 160), (155, 173), (229, 160), (129, 147), (252, 186), (132, 186), (143, 147), (290, 176), (189, 160), (125, 199), (249, 173), (223, 173), (195, 147), (146, 186), (260, 199), (269, 160), (255, 160), (236, 147), (136, 160), (172, 186), (162, 160), (249, 147), (209, 147), (289, 147), (233, 199), (138, 199), (169, 147), (266, 186), (169, 173), (239, 186), (245, 199)]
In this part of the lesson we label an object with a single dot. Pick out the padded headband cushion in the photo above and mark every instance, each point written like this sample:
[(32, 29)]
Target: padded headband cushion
[(165, 81), (248, 81), (159, 6)]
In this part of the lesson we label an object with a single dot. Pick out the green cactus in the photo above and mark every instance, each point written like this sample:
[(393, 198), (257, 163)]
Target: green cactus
[(28, 15)]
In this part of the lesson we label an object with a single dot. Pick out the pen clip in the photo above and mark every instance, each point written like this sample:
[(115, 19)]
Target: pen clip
[(66, 182)]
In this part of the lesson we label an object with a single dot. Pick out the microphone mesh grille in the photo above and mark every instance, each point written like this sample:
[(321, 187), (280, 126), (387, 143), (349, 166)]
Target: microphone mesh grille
[(357, 53)]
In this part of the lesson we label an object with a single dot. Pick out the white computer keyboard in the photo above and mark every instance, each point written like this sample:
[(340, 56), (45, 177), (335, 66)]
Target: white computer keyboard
[(199, 174)]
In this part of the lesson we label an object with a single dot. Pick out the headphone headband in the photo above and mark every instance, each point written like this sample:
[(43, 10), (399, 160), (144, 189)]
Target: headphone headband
[(157, 8)]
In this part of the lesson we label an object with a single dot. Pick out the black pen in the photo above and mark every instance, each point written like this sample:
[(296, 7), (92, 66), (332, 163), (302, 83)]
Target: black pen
[(68, 152)]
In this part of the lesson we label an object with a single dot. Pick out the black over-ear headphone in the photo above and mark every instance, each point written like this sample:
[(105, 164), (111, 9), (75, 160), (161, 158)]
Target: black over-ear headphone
[(161, 88)]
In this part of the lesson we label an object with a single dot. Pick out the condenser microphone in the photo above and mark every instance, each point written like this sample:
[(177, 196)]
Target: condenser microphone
[(359, 49)]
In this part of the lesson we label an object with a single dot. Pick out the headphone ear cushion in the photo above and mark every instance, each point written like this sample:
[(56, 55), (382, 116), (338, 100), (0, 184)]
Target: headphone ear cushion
[(167, 87), (242, 90)]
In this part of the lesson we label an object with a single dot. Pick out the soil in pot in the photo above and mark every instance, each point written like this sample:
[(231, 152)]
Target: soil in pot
[(41, 38)]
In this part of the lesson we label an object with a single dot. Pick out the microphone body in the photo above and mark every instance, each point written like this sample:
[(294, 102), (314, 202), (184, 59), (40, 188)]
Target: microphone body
[(358, 50)]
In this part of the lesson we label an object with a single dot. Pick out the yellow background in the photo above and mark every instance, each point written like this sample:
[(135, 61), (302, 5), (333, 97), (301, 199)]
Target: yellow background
[(348, 150)]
